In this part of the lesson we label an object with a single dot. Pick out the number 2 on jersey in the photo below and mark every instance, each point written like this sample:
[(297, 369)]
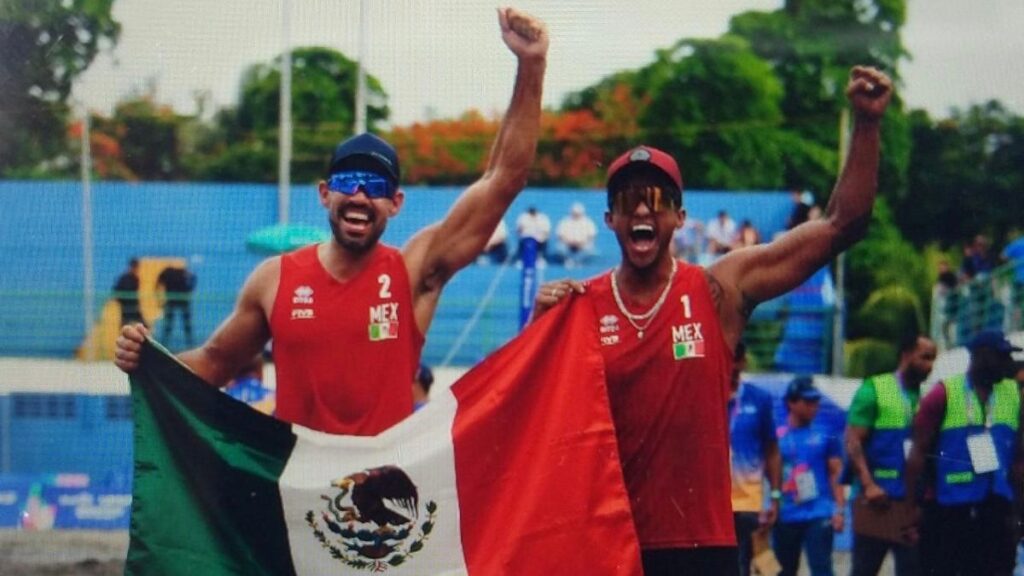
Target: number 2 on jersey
[(385, 286)]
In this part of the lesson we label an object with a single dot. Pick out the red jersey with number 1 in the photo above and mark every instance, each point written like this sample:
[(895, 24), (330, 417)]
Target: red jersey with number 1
[(345, 352), (668, 392)]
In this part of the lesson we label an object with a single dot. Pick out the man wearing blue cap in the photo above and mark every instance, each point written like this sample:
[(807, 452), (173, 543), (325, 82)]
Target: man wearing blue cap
[(969, 424), (348, 316), (813, 501)]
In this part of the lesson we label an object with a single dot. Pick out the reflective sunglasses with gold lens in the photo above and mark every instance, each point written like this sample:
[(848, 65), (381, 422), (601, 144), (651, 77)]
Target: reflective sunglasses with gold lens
[(626, 197)]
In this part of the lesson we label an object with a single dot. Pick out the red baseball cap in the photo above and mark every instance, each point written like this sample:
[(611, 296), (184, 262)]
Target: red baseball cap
[(647, 155)]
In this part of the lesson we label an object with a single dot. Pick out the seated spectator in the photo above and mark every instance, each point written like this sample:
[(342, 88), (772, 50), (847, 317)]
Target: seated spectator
[(747, 236), (688, 241), (496, 249), (536, 225), (721, 233), (576, 233)]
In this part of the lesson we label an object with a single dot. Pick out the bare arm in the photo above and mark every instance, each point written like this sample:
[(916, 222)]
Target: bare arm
[(855, 438), (436, 253), (773, 470), (752, 275), (243, 334), (923, 437), (835, 469)]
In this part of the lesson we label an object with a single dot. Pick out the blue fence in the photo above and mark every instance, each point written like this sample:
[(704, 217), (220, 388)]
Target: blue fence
[(41, 302)]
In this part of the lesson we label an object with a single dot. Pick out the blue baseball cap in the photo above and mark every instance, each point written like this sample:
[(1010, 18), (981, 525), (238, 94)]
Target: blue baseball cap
[(802, 387), (366, 152), (994, 339)]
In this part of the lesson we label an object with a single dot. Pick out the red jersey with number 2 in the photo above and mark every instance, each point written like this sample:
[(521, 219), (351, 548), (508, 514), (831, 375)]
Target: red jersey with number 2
[(345, 352), (668, 392)]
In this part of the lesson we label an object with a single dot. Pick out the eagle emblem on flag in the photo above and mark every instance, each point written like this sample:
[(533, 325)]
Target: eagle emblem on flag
[(372, 522)]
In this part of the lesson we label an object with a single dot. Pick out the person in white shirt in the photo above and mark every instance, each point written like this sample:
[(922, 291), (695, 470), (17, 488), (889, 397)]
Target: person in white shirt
[(721, 233), (576, 233), (534, 224)]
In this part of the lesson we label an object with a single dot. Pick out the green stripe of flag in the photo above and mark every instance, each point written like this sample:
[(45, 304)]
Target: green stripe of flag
[(205, 495)]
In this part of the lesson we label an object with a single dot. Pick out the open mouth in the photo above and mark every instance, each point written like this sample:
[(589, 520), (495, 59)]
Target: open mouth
[(356, 220), (642, 233)]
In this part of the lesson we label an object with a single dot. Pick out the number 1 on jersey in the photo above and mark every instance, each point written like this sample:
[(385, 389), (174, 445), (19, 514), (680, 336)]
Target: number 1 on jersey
[(686, 306)]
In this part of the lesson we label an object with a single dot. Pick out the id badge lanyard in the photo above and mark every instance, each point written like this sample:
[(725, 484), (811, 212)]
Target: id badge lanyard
[(980, 446)]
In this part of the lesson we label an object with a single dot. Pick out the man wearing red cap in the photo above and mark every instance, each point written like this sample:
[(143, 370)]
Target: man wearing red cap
[(348, 316), (667, 330)]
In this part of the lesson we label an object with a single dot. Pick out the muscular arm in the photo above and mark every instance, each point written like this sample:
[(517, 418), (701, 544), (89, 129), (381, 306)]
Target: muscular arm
[(436, 253), (752, 275), (243, 334)]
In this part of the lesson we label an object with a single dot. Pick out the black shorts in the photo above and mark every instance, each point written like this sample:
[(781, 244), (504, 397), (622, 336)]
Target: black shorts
[(706, 561)]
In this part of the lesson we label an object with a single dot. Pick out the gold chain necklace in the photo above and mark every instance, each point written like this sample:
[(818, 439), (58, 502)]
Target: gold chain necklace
[(646, 317)]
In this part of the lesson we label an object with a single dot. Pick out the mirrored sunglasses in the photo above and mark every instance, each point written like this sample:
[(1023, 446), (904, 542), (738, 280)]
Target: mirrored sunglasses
[(627, 197), (373, 185)]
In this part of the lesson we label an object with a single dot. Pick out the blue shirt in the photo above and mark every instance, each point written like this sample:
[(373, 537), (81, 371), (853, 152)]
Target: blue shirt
[(806, 493), (751, 426), (1014, 251)]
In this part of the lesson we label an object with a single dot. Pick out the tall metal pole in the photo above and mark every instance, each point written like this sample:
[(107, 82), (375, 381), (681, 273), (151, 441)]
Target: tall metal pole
[(360, 126), (88, 273), (839, 310), (284, 164)]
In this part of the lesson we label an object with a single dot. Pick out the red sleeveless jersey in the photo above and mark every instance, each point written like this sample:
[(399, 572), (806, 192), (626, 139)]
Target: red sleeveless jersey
[(345, 352), (668, 392)]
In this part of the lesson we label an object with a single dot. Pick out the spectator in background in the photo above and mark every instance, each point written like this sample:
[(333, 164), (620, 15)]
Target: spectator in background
[(496, 249), (536, 225), (976, 261), (721, 234), (802, 203), (813, 502), (947, 297), (878, 427), (1014, 253), (688, 241), (969, 424), (177, 284), (747, 235), (576, 233), (247, 386), (126, 292), (754, 451), (421, 386)]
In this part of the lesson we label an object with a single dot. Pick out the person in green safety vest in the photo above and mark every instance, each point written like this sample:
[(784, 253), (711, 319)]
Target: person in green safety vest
[(969, 425), (878, 426)]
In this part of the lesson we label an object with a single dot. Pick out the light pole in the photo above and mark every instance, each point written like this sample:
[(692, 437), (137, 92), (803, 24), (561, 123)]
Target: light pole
[(284, 159), (88, 273)]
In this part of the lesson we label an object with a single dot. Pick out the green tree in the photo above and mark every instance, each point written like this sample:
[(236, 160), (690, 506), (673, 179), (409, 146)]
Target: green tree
[(323, 111), (811, 45), (965, 176), (45, 45)]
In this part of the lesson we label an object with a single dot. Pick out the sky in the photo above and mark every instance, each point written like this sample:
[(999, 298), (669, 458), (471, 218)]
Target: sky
[(440, 58)]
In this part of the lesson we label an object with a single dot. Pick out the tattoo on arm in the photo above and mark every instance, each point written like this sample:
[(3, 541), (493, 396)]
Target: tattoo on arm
[(717, 292), (718, 297)]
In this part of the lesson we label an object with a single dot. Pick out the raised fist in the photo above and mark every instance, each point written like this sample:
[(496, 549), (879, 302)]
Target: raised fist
[(525, 35), (869, 92)]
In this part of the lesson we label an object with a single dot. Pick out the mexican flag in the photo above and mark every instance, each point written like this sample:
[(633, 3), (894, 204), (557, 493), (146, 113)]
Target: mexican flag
[(514, 470)]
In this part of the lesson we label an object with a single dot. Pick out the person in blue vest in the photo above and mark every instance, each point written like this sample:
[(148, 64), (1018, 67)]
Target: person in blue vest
[(755, 458), (969, 424), (878, 426), (813, 501)]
